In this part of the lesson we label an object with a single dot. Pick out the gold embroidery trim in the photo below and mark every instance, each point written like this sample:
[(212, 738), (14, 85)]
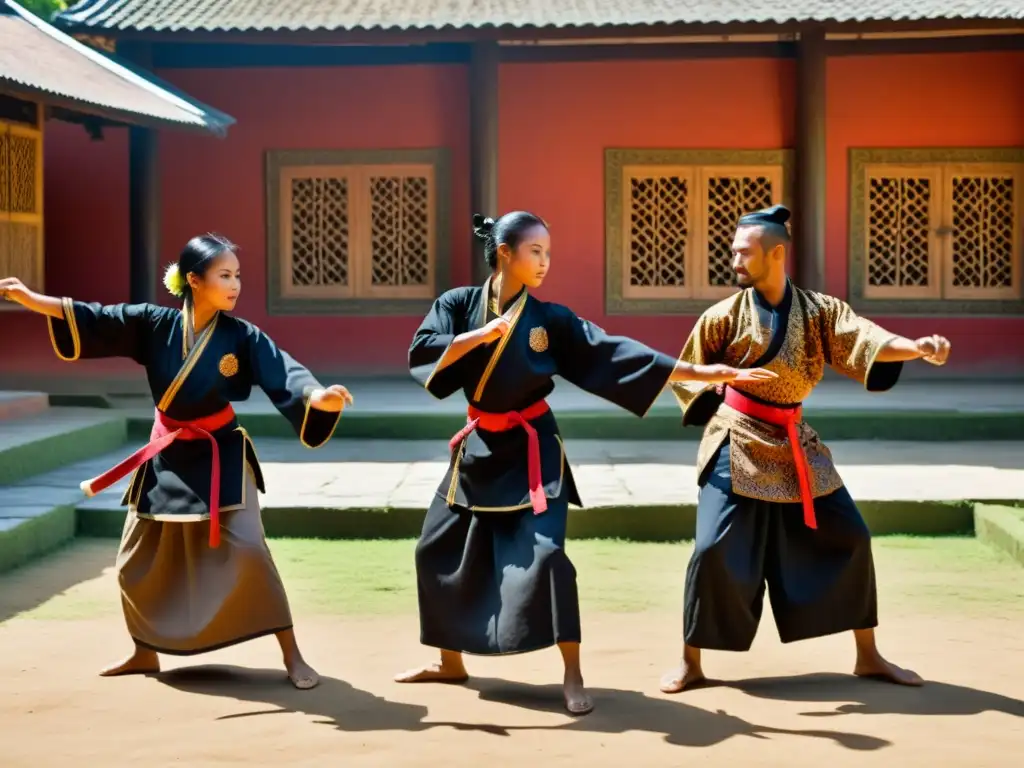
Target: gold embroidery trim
[(186, 326), (247, 445), (190, 362), (517, 312), (430, 378), (228, 365), (539, 339), (67, 308), (528, 505), (454, 484), (305, 418), (874, 359)]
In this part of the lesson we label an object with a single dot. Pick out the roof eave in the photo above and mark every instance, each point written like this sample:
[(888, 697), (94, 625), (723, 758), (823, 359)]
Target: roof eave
[(216, 126), (382, 35)]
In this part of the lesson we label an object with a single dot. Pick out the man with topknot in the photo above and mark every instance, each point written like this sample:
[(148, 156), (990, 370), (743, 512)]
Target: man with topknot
[(772, 510)]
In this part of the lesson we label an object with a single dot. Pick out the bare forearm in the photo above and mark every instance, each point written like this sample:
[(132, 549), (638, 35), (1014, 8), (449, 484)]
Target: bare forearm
[(43, 305), (898, 350), (692, 372)]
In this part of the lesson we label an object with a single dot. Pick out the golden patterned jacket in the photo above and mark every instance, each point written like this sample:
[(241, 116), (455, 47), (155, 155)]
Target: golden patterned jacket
[(813, 330)]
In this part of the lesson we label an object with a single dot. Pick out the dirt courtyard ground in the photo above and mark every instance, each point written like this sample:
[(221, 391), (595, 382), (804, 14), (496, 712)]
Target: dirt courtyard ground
[(950, 609)]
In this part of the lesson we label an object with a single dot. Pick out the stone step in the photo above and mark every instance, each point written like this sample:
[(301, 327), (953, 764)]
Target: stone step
[(56, 437), (839, 410), (22, 405), (636, 490), (1001, 527)]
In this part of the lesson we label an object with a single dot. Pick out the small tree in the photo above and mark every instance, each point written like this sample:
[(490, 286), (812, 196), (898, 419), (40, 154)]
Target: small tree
[(44, 9)]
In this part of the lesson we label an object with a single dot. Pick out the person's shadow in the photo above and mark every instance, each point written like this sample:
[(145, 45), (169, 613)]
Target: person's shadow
[(681, 724), (871, 697), (334, 702), (342, 706)]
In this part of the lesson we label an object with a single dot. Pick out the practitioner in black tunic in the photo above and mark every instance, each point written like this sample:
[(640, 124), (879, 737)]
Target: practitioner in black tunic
[(491, 566), (772, 508)]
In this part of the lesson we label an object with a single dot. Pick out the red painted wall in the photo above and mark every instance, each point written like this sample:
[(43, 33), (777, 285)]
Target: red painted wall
[(962, 100), (556, 126), (556, 121), (346, 108), (209, 184), (85, 190)]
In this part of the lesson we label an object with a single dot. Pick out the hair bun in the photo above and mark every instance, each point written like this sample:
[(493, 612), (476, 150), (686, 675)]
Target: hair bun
[(482, 226), (778, 214), (174, 281)]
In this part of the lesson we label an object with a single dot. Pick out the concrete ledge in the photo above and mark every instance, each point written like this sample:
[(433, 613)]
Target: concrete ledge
[(25, 538), (1001, 527), (22, 405), (918, 426), (629, 522), (33, 446)]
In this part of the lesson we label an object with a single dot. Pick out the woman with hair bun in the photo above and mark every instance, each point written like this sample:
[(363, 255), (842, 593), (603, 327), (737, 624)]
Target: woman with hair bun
[(491, 566), (194, 568)]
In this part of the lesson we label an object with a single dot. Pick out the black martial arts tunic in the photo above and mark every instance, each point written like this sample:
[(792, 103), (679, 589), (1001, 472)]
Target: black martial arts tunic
[(493, 575)]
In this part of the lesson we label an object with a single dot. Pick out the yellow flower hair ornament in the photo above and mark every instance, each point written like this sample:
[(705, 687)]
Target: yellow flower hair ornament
[(174, 281)]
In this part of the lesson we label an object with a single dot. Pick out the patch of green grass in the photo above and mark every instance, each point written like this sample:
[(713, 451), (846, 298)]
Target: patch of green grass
[(954, 576)]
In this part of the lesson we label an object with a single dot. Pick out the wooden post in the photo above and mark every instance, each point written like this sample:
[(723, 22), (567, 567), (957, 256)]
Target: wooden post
[(810, 214), (143, 198), (143, 214), (483, 141)]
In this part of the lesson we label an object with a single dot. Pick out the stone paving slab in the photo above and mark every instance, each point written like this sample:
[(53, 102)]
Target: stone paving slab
[(405, 396), (52, 423), (375, 474)]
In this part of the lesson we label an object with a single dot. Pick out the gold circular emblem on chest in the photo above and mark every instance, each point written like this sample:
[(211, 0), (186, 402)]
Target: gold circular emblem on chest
[(228, 365), (538, 339)]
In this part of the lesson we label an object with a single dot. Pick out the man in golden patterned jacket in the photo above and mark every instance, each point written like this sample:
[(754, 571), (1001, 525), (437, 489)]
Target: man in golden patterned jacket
[(772, 507)]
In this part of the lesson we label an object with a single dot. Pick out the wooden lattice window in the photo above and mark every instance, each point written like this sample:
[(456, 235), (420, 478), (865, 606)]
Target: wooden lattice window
[(346, 232), (671, 225), (944, 231), (21, 203), (937, 230)]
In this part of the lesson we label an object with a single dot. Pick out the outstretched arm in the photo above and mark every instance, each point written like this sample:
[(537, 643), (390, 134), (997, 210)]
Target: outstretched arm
[(716, 374), (866, 352), (80, 330), (313, 410), (625, 371), (931, 349), (12, 289)]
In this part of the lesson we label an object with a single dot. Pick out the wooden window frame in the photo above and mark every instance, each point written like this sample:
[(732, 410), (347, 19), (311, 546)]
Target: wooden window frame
[(36, 218), (623, 299), (283, 298), (940, 298)]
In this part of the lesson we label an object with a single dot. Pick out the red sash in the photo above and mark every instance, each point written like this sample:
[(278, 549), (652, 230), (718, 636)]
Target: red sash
[(502, 422), (781, 417), (165, 431)]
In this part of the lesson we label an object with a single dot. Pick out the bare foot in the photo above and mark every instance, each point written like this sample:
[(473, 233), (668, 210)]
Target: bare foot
[(875, 666), (142, 662), (445, 672), (577, 700), (302, 675), (686, 675)]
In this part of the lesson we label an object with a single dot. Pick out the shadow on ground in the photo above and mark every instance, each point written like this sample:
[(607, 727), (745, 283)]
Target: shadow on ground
[(347, 708), (869, 697)]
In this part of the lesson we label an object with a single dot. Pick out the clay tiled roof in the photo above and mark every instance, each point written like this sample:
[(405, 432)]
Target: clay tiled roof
[(255, 15), (41, 63)]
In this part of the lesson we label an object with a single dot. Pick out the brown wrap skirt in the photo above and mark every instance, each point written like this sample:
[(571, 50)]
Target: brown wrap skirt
[(182, 597)]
